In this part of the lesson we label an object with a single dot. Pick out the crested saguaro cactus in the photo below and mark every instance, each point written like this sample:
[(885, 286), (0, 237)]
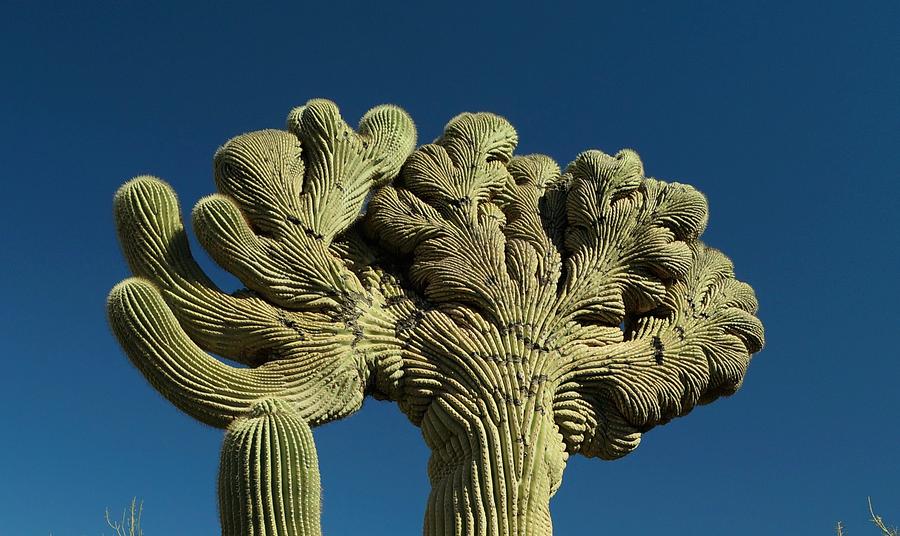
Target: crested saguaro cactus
[(516, 313)]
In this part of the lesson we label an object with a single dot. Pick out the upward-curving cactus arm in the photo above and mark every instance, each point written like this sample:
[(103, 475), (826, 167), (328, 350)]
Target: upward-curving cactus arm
[(316, 327), (199, 385), (308, 312), (243, 328), (304, 356), (269, 475)]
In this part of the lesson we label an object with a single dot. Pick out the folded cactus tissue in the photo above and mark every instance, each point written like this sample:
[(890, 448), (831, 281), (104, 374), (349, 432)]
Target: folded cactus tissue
[(518, 313)]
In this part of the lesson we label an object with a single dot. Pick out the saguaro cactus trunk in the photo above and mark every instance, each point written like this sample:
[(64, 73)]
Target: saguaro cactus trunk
[(517, 313), (492, 470)]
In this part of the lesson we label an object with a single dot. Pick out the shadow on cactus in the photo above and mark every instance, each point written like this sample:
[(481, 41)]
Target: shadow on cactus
[(515, 312)]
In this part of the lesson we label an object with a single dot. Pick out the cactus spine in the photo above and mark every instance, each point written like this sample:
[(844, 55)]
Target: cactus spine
[(516, 312)]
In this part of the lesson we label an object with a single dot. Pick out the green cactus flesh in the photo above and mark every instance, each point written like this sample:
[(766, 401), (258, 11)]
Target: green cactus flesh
[(269, 475), (515, 312)]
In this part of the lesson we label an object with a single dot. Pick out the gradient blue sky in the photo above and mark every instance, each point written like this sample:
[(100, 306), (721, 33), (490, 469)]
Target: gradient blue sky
[(785, 114)]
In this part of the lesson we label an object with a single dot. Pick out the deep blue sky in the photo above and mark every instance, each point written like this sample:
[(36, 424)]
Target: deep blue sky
[(785, 114)]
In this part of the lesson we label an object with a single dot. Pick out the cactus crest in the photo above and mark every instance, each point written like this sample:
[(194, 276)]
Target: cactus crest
[(516, 311)]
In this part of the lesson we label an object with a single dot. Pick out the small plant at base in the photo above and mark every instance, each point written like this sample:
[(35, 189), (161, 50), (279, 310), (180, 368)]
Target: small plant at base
[(874, 518), (879, 522), (130, 525)]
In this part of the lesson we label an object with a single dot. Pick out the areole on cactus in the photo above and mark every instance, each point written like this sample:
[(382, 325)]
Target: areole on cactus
[(515, 312)]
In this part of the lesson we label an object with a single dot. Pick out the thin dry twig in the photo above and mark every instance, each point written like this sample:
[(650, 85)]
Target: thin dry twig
[(879, 522), (131, 520)]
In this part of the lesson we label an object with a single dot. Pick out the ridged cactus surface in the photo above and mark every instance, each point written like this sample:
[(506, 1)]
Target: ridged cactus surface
[(516, 312), (269, 474)]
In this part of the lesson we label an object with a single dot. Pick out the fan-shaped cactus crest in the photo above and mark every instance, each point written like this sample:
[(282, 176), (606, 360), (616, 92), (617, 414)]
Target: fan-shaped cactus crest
[(515, 312)]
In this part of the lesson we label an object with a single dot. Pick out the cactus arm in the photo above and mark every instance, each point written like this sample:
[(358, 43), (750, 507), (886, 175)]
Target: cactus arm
[(196, 383), (243, 328), (326, 334), (311, 352), (269, 474)]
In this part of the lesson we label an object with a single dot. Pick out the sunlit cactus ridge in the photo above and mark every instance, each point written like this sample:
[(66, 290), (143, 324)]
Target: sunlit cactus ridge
[(516, 312)]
